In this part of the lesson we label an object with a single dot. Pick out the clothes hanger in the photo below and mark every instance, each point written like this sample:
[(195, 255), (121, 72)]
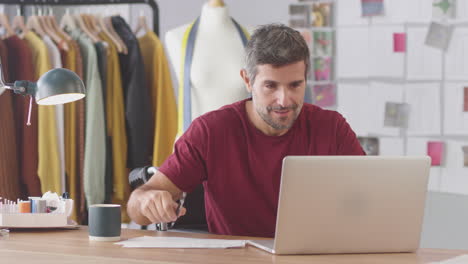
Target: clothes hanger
[(216, 3), (142, 24), (81, 24), (43, 20), (105, 30), (87, 20), (68, 22), (53, 24), (18, 25), (34, 24), (110, 27), (6, 24)]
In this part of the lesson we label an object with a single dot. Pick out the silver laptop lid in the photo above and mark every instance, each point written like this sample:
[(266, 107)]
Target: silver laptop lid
[(351, 204)]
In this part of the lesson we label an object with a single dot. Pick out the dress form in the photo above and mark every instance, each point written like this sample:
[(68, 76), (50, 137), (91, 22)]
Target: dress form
[(217, 60)]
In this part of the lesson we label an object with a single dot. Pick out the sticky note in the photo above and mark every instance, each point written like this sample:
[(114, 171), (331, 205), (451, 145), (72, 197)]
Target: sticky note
[(435, 149), (399, 42)]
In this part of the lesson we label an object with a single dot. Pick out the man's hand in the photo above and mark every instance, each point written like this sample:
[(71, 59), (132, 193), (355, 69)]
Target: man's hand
[(158, 206), (154, 202)]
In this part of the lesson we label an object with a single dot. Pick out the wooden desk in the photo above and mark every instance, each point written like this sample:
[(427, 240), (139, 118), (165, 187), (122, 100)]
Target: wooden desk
[(73, 246)]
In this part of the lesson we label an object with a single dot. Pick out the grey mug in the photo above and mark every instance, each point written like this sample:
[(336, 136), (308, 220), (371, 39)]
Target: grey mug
[(104, 222)]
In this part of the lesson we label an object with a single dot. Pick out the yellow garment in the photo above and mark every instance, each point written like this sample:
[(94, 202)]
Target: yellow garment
[(115, 116), (70, 138), (49, 158), (162, 96)]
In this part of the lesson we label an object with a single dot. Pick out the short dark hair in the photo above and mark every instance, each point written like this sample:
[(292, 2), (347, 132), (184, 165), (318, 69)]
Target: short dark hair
[(275, 44)]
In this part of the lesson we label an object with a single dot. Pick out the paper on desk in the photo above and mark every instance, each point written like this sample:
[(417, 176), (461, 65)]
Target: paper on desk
[(456, 260), (179, 242)]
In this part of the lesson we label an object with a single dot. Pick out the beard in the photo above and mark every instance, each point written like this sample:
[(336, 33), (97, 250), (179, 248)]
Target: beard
[(280, 123)]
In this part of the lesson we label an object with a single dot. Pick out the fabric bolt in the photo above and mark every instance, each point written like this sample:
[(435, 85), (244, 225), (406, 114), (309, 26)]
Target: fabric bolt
[(21, 67), (137, 100), (95, 149), (49, 160), (56, 62), (163, 102), (9, 167), (116, 128), (228, 154)]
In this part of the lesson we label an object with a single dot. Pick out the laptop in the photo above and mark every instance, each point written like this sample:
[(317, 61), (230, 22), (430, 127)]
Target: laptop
[(349, 204)]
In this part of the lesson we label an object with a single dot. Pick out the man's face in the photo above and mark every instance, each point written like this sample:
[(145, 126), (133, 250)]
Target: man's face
[(278, 94)]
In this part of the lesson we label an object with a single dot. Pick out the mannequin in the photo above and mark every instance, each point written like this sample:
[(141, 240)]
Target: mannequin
[(217, 60)]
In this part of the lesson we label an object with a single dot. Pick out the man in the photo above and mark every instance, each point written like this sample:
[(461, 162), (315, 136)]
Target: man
[(237, 151)]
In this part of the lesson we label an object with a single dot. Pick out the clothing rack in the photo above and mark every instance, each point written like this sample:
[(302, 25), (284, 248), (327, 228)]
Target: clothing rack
[(151, 3)]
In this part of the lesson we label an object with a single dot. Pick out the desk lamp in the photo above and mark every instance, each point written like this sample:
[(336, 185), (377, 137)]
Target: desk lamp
[(57, 86)]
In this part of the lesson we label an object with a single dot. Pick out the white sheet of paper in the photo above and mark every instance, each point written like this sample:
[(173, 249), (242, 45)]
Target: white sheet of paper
[(423, 62), (462, 10), (455, 120), (424, 101), (179, 242), (379, 94), (349, 13), (384, 62), (352, 104), (456, 61), (454, 175), (418, 146), (391, 146), (352, 52), (462, 259)]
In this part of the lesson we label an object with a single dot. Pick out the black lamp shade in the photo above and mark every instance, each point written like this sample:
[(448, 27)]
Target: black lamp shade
[(59, 86)]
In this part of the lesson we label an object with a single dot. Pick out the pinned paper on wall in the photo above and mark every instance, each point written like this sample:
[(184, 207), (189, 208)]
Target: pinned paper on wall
[(352, 49), (435, 150), (423, 62), (323, 43), (399, 42), (396, 114), (372, 7), (322, 69), (321, 15), (299, 15), (443, 9), (465, 156), (439, 35), (370, 145), (324, 95), (465, 97)]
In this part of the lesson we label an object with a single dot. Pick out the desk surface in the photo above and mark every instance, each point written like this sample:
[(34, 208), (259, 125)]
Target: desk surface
[(73, 246)]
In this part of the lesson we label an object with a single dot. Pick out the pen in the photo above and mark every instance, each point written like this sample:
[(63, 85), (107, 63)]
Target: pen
[(181, 203)]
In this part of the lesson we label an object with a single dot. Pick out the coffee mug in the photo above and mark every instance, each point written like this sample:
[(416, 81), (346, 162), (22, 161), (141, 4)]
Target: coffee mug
[(104, 222)]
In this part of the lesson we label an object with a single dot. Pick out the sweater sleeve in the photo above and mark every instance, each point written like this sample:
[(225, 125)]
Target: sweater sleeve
[(347, 142)]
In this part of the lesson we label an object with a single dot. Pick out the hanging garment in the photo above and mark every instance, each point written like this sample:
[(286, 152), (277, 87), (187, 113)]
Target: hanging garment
[(80, 140), (162, 96), (101, 52), (188, 44), (21, 67), (137, 101), (49, 161), (95, 150), (116, 128), (56, 62), (69, 62), (9, 180)]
